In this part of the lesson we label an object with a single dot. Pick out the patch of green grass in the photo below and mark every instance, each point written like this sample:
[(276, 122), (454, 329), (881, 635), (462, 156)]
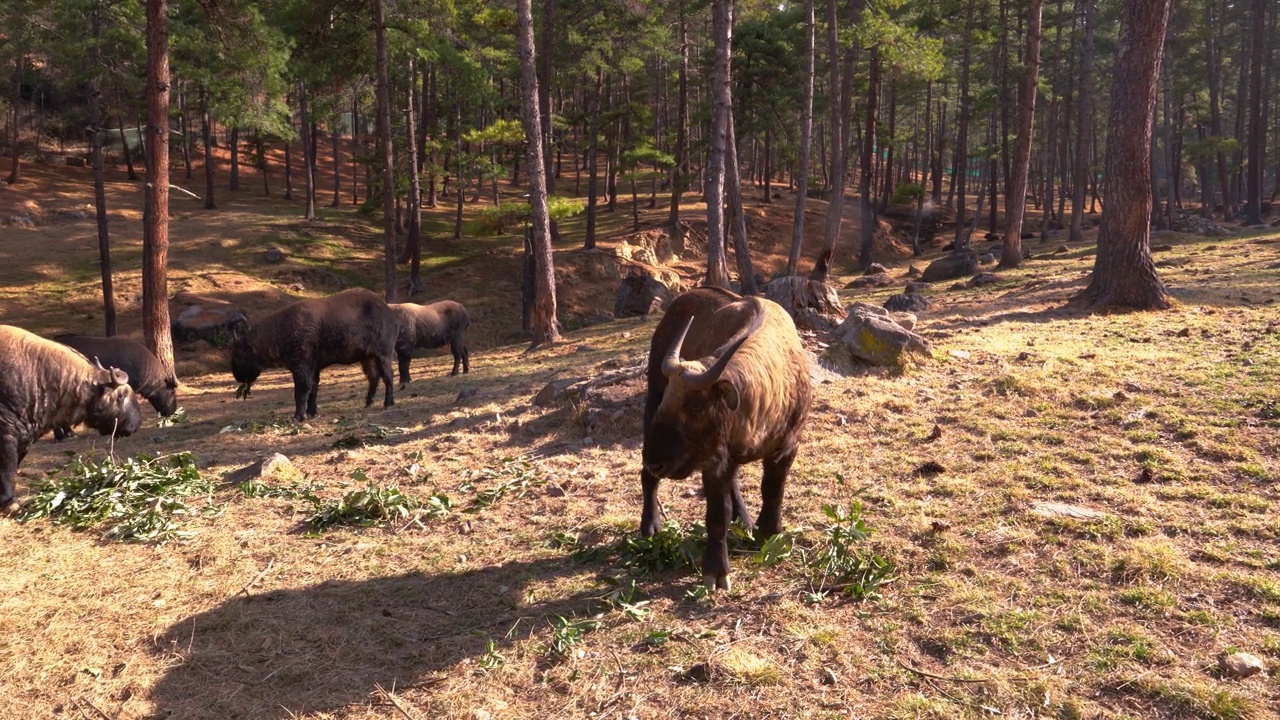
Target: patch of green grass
[(671, 548), (1150, 560), (1148, 599), (1122, 646), (141, 499), (1196, 700)]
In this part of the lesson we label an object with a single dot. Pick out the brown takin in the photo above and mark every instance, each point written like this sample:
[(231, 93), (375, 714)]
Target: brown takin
[(44, 384), (354, 326), (148, 377), (728, 385), (432, 326)]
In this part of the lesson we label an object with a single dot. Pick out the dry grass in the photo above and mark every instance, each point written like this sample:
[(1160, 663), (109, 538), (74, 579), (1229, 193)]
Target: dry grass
[(995, 610)]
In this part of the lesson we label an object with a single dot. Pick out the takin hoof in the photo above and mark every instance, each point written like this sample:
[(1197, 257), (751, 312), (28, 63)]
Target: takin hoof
[(9, 508), (714, 583)]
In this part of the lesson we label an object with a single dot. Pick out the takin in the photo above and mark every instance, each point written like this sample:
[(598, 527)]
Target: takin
[(44, 385), (432, 326), (354, 326), (728, 384), (147, 376)]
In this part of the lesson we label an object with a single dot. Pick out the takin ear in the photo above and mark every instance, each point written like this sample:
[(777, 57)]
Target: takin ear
[(728, 393)]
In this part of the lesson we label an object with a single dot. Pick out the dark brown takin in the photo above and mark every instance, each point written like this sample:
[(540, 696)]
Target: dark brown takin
[(147, 375), (728, 385), (431, 326), (354, 326), (44, 384)]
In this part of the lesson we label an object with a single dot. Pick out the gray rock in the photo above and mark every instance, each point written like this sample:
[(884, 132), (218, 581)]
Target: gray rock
[(987, 259), (1241, 664), (876, 280), (907, 302), (273, 255), (982, 279), (274, 467), (640, 295), (557, 391), (869, 335), (215, 322), (917, 288), (876, 269), (22, 220), (950, 267), (465, 394), (913, 271)]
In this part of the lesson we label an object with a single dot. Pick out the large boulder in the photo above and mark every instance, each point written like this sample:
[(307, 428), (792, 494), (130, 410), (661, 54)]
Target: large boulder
[(873, 281), (196, 318), (812, 304), (907, 302), (640, 294), (871, 335), (951, 266)]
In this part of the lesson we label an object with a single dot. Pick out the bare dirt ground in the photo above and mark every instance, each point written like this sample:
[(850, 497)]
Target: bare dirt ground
[(1163, 423)]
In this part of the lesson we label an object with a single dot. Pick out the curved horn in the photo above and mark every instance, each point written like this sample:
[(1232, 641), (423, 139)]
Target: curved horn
[(709, 377), (671, 364), (97, 363)]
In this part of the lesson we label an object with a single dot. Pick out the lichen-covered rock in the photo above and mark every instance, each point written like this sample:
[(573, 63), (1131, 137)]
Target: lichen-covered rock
[(213, 321), (952, 266), (870, 335), (812, 304), (640, 295)]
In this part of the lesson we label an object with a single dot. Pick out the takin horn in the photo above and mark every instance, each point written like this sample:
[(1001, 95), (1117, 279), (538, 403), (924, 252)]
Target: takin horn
[(671, 364), (707, 378)]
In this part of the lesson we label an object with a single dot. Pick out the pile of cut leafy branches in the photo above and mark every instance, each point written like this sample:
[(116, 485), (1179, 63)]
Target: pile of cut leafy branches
[(140, 499)]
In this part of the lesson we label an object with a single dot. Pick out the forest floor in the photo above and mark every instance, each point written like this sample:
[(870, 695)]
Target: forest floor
[(1163, 426)]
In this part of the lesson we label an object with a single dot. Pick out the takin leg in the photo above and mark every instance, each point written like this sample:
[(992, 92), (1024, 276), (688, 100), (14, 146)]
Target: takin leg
[(386, 367), (466, 358), (370, 367), (771, 487), (403, 357), (455, 347), (313, 396), (651, 517), (10, 456), (717, 486), (303, 393)]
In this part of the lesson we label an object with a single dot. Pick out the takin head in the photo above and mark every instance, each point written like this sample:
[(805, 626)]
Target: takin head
[(691, 428), (165, 400), (113, 409), (245, 364)]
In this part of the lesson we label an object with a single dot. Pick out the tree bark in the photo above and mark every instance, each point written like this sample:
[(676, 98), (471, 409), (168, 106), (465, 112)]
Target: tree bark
[(806, 140), (233, 141), (866, 179), (15, 167), (155, 209), (544, 92), (1214, 31), (680, 170), (388, 156), (185, 128), (206, 135), (99, 184), (308, 159), (722, 104), (839, 142), (961, 241), (1257, 133), (543, 312), (1016, 204), (1123, 273), (593, 167), (414, 240), (124, 148), (738, 224), (1084, 128)]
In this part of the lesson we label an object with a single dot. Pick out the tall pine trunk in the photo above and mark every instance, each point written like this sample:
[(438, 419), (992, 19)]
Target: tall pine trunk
[(233, 140), (680, 170), (387, 153), (961, 241), (593, 166), (414, 241), (543, 311), (155, 209), (839, 142), (15, 167), (99, 184), (722, 105), (738, 218), (866, 177), (308, 158), (806, 139), (1084, 128), (1123, 273), (206, 136), (1016, 202), (1257, 133)]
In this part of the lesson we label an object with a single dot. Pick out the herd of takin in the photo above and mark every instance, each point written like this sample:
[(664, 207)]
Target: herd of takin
[(728, 384)]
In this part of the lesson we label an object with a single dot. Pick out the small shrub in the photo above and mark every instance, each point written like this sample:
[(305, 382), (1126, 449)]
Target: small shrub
[(567, 634), (837, 563), (142, 499), (515, 476)]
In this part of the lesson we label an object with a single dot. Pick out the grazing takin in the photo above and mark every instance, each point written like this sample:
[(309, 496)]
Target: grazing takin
[(44, 384), (728, 385), (354, 326), (432, 326), (147, 376)]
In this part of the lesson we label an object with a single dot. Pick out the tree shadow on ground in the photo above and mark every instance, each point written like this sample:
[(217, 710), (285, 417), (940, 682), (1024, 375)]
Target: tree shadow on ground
[(322, 647)]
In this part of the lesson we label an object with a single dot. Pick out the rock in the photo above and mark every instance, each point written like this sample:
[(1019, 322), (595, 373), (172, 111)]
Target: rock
[(958, 286), (640, 295), (916, 288), (812, 304), (1196, 225), (465, 394), (1063, 510), (877, 280), (907, 302), (22, 220), (274, 467), (1241, 664), (557, 391), (199, 318), (876, 269), (982, 279), (949, 267), (1161, 248), (913, 271), (868, 334), (1061, 250), (73, 161), (906, 320), (987, 259), (273, 255), (555, 490)]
